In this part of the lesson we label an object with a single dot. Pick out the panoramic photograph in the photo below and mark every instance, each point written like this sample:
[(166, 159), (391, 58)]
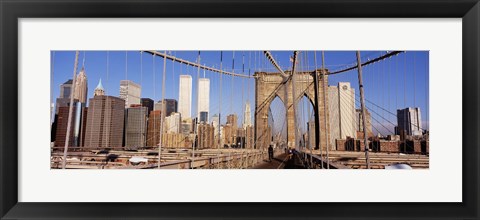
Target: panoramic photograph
[(160, 109)]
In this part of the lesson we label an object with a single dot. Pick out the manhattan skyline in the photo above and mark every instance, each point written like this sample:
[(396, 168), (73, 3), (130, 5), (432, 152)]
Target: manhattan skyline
[(396, 84)]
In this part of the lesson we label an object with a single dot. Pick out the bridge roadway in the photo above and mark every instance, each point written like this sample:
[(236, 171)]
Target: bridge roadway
[(281, 161)]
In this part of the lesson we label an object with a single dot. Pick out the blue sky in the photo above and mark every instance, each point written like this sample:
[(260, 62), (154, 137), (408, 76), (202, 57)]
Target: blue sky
[(394, 83)]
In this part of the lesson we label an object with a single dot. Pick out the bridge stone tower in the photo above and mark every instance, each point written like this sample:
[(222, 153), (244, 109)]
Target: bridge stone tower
[(271, 85)]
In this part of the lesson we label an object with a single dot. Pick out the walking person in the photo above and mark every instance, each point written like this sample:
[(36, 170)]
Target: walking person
[(270, 153)]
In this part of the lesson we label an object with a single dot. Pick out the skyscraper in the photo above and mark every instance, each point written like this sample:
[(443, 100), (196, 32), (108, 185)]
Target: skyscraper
[(173, 123), (342, 112), (105, 121), (147, 102), (135, 127), (359, 122), (185, 96), (216, 127), (231, 129), (78, 123), (66, 89), (247, 117), (130, 92), (153, 130), (205, 136), (409, 120), (64, 97), (203, 97), (62, 101), (171, 106), (81, 87), (99, 90), (203, 117)]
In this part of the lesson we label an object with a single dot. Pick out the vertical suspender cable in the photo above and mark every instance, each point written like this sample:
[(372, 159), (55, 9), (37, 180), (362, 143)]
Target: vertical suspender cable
[(164, 108), (220, 104), (317, 110), (325, 107), (70, 112)]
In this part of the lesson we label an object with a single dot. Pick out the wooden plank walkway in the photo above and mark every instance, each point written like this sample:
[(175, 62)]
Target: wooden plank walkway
[(278, 162)]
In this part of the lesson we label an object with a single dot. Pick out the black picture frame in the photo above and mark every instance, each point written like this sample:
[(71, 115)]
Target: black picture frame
[(12, 10)]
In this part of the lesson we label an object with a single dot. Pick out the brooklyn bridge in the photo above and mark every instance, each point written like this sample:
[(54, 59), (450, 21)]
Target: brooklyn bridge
[(307, 113)]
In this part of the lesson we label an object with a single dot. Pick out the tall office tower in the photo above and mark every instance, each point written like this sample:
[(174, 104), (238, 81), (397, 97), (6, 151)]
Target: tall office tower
[(173, 123), (187, 126), (171, 106), (153, 130), (77, 129), (81, 87), (66, 89), (62, 101), (216, 126), (203, 97), (342, 112), (204, 117), (249, 137), (135, 127), (64, 97), (359, 123), (130, 92), (205, 136), (240, 140), (231, 130), (232, 119), (99, 90), (105, 121), (147, 102), (185, 96), (247, 116), (409, 120)]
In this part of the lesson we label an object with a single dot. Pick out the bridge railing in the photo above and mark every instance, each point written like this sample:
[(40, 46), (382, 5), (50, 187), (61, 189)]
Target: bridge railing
[(313, 161)]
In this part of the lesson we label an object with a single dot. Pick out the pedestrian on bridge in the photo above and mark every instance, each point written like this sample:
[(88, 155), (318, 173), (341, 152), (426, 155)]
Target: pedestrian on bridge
[(270, 153)]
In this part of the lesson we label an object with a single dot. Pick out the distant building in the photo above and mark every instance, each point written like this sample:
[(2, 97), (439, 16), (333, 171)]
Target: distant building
[(62, 101), (203, 98), (105, 122), (216, 127), (136, 127), (77, 129), (249, 137), (240, 139), (187, 126), (185, 96), (66, 89), (228, 135), (341, 101), (205, 136), (409, 120), (99, 90), (175, 140), (130, 92), (232, 120), (171, 106), (359, 122), (81, 87), (204, 117), (173, 123), (147, 102), (153, 128), (247, 116)]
